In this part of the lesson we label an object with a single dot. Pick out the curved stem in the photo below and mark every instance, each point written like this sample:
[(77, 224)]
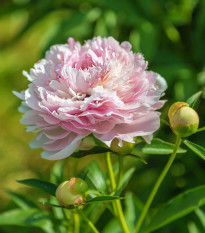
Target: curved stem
[(90, 224), (156, 186), (116, 203)]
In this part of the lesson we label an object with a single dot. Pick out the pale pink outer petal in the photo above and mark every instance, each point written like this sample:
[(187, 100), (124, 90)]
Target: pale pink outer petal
[(65, 152), (99, 88)]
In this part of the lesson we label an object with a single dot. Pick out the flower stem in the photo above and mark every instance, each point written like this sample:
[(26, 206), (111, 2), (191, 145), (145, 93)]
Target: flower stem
[(116, 203), (120, 174), (90, 224), (156, 186), (76, 222)]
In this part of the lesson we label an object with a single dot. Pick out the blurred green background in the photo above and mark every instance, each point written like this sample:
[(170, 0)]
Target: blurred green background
[(170, 34)]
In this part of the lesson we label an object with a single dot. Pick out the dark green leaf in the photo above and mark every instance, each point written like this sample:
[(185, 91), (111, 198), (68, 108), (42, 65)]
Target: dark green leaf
[(21, 200), (102, 199), (157, 146), (199, 150), (43, 185), (57, 206), (28, 217), (193, 99), (95, 150), (95, 177), (176, 208)]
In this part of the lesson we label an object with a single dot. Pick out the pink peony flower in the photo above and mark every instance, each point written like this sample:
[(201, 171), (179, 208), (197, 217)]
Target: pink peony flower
[(101, 88)]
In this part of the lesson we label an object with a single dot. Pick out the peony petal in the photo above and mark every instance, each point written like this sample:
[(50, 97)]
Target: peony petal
[(68, 150)]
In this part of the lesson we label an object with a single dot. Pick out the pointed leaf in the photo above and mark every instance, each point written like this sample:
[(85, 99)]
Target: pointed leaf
[(29, 217), (21, 200), (133, 208), (201, 215), (94, 150), (43, 185), (57, 176), (112, 226), (199, 150), (102, 199), (57, 206), (193, 228), (193, 99), (201, 129), (176, 208), (98, 142), (157, 146), (95, 177), (165, 122), (125, 179), (137, 156)]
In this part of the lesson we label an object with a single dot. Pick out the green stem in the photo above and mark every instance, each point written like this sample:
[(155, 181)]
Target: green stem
[(76, 221), (90, 224), (116, 203), (120, 174), (156, 186), (110, 171)]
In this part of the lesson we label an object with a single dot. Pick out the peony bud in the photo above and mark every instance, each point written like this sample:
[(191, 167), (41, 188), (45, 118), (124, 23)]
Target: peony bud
[(87, 143), (72, 192), (125, 149), (183, 119)]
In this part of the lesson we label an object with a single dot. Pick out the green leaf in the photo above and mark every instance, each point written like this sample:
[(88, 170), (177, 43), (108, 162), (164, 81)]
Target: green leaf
[(43, 185), (125, 179), (193, 99), (94, 177), (133, 208), (157, 146), (95, 150), (57, 206), (199, 150), (137, 156), (98, 142), (176, 208), (102, 199), (201, 215), (21, 200), (165, 122), (193, 228), (201, 129), (57, 175), (29, 217), (112, 226)]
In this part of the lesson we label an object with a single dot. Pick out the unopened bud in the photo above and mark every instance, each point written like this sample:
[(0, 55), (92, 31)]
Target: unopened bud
[(183, 119), (87, 143), (72, 192), (125, 149)]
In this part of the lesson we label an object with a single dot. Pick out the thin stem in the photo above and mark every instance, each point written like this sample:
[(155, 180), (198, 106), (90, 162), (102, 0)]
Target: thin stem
[(116, 203), (90, 224), (156, 186), (110, 171), (120, 174), (76, 221)]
